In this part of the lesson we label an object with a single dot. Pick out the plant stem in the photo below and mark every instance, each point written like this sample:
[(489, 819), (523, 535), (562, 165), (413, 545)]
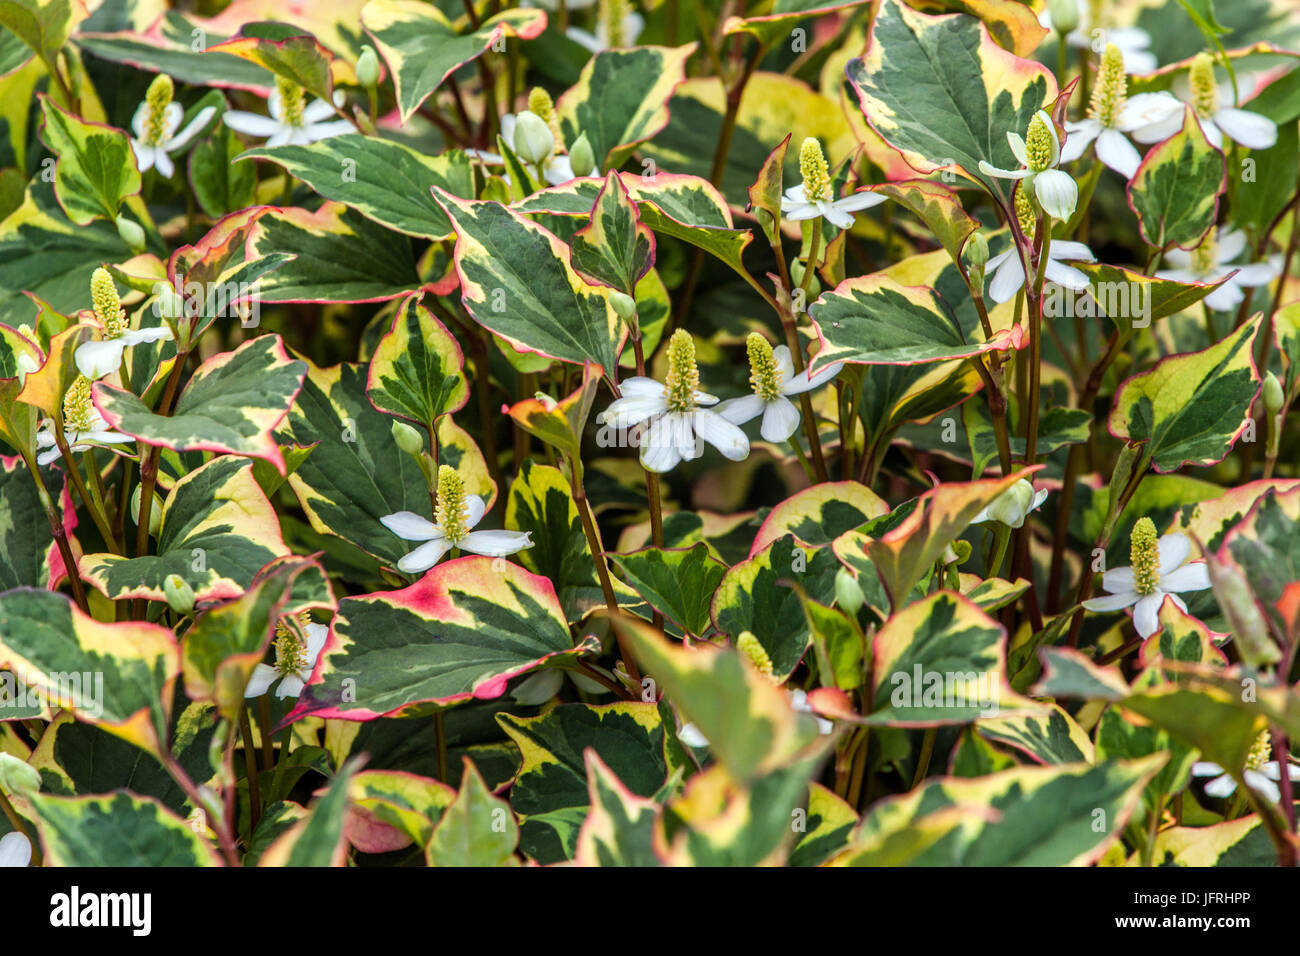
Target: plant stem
[(927, 752), (250, 764), (60, 535)]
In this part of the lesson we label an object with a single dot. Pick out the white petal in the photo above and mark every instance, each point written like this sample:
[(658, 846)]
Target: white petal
[(1146, 614), (640, 385), (496, 544), (317, 635), (139, 119), (1159, 130), (780, 420), (854, 202), (283, 136), (1114, 149), (1067, 249), (1257, 273), (585, 39), (1261, 784), (1204, 768), (474, 510), (97, 359), (797, 194), (1249, 129), (723, 435), (1018, 148), (784, 363), (144, 155), (1008, 278), (1066, 276), (1190, 577), (559, 170), (424, 557), (1145, 109), (837, 217), (45, 457), (1232, 243), (1212, 132), (690, 735), (263, 676), (1174, 549), (1225, 298), (659, 447), (1221, 787), (412, 527), (1057, 192), (163, 163), (157, 333), (200, 120), (1079, 135), (316, 111), (1118, 580), (319, 131), (996, 173), (291, 686), (15, 850), (251, 124), (802, 383), (741, 410), (1112, 602)]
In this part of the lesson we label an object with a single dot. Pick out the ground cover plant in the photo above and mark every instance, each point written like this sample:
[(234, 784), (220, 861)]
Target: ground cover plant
[(794, 432)]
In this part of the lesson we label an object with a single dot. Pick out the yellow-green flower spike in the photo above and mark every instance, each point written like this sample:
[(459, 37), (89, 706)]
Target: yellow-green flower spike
[(290, 651), (816, 177), (158, 98), (1260, 751), (683, 378), (1144, 556), (107, 305), (1205, 91), (1206, 256), (1039, 143), (755, 653), (1111, 91), (764, 373), (449, 515), (612, 14), (77, 409), (542, 106), (1026, 215), (291, 101)]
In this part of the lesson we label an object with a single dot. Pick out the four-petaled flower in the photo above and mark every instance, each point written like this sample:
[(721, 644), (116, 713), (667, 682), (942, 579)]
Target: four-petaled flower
[(1211, 261), (1133, 42), (455, 514), (1207, 97), (83, 426), (815, 196), (1159, 570), (772, 376), (294, 659), (617, 25), (292, 120), (155, 124), (1009, 272), (671, 412), (1260, 773), (97, 359), (1039, 153)]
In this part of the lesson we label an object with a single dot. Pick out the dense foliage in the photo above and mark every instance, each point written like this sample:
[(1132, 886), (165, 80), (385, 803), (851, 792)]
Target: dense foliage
[(649, 433)]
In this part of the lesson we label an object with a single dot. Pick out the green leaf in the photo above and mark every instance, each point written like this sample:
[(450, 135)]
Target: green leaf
[(1175, 192), (220, 185), (614, 248), (1050, 738), (876, 321), (750, 598), (299, 59), (95, 170), (460, 633), (938, 208), (317, 839), (826, 827), (31, 558), (540, 502), (232, 404), (517, 281), (621, 99), (116, 830), (1191, 408), (628, 737), (50, 644), (392, 807), (1125, 296), (975, 91), (818, 515), (383, 180), (417, 371), (1235, 843), (41, 24), (478, 829), (1042, 816), (1266, 547), (620, 827), (422, 48), (1120, 739), (679, 583), (218, 530)]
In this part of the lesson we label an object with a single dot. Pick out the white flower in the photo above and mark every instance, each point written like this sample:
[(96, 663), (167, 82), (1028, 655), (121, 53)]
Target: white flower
[(773, 378), (690, 735), (83, 426), (631, 25), (97, 359), (294, 662), (1133, 42), (150, 156), (556, 170), (15, 850), (795, 206), (455, 515), (1009, 273), (291, 121), (672, 436), (1207, 96), (799, 701), (1211, 261), (1039, 153), (1159, 569), (1013, 505), (1260, 772)]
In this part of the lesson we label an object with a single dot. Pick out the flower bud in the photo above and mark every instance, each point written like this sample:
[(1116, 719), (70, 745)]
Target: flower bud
[(977, 254), (169, 305), (1273, 395), (132, 233), (180, 596), (18, 776), (155, 511), (623, 304), (1064, 14), (368, 67), (848, 593), (407, 438), (581, 158), (534, 142)]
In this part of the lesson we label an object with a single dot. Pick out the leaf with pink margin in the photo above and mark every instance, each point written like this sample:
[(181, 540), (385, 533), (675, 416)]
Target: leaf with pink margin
[(458, 634), (818, 515)]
